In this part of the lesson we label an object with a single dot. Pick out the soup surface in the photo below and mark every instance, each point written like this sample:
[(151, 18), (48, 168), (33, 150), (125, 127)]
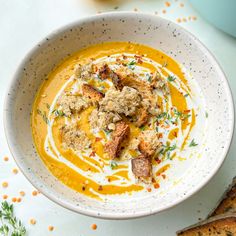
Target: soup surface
[(117, 119)]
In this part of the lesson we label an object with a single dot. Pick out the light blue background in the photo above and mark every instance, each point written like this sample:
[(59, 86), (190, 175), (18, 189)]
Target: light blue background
[(22, 24)]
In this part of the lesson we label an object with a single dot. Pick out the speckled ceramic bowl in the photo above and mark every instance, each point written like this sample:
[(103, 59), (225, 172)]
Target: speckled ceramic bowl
[(142, 28)]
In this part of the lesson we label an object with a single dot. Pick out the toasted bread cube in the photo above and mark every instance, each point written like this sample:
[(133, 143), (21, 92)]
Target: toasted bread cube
[(120, 133), (141, 166), (92, 93)]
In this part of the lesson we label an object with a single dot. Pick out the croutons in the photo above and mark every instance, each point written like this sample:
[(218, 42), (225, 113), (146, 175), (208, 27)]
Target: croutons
[(84, 72), (120, 134), (92, 93), (104, 72), (142, 117), (149, 143), (159, 83), (71, 104), (145, 89), (102, 120), (117, 80), (73, 138), (141, 166), (122, 102)]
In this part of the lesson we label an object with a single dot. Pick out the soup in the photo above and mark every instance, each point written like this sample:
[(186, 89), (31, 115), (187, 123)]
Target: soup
[(113, 118)]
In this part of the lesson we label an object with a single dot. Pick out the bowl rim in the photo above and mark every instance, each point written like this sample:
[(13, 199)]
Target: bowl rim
[(89, 212)]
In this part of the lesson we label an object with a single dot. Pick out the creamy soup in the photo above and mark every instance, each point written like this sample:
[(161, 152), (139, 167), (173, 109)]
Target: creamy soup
[(113, 118)]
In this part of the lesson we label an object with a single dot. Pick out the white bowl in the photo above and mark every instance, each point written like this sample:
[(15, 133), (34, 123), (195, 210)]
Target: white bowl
[(145, 29)]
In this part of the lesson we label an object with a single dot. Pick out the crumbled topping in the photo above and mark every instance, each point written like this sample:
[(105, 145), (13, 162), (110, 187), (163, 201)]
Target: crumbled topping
[(70, 104), (73, 138)]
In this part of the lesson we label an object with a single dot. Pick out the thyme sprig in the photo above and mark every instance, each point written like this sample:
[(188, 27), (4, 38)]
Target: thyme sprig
[(131, 64), (113, 165), (181, 115), (10, 225), (193, 143), (171, 78), (167, 149), (58, 112), (173, 119)]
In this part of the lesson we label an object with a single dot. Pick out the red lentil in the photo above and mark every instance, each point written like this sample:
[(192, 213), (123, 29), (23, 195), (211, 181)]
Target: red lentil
[(4, 184), (50, 228), (93, 226)]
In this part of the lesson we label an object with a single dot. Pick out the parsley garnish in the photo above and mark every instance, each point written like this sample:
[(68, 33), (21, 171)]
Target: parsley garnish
[(192, 144), (206, 114), (142, 127), (167, 149), (131, 64), (113, 165), (44, 116), (162, 115), (181, 115), (48, 106), (149, 78), (171, 78), (186, 95), (58, 113), (107, 132), (10, 225), (164, 64), (39, 112)]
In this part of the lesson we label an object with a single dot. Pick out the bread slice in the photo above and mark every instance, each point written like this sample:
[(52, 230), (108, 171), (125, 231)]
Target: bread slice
[(221, 225), (221, 221), (228, 201)]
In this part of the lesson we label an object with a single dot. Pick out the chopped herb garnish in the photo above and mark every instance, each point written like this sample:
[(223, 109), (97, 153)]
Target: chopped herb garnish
[(58, 113), (149, 78), (167, 149), (162, 115), (107, 132), (116, 7), (44, 116), (162, 151), (186, 95), (131, 64), (48, 106), (142, 127), (193, 144), (113, 165), (39, 112), (157, 129), (164, 64), (173, 120), (168, 155), (171, 78), (10, 225), (206, 114), (168, 116), (181, 115)]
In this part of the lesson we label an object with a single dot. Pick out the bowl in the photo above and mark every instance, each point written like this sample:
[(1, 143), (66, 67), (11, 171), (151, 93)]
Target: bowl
[(124, 26)]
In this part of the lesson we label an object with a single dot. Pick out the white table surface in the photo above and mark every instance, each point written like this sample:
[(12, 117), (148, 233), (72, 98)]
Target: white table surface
[(22, 24)]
